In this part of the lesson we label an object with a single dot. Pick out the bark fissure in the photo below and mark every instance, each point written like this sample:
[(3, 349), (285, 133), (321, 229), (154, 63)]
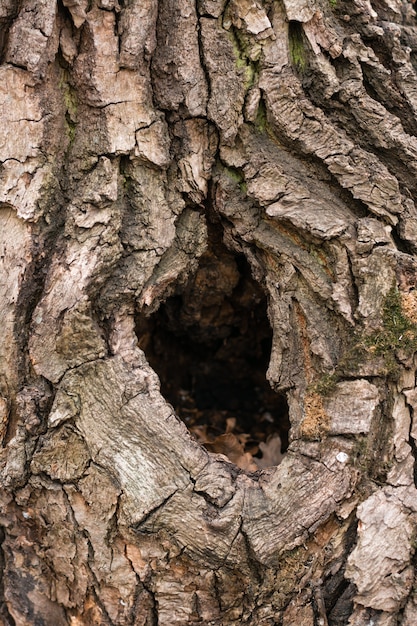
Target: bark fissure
[(148, 517), (4, 611), (413, 446), (201, 50)]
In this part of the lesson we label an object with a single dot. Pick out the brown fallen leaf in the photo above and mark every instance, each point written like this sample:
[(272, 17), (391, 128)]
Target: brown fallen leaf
[(229, 445), (230, 424), (271, 452), (200, 433)]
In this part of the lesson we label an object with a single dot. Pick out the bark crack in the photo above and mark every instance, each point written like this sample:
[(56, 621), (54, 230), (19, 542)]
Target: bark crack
[(4, 610), (413, 446), (319, 605), (201, 54), (137, 525)]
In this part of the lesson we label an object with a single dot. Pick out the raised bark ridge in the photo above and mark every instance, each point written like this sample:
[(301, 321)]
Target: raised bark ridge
[(126, 129)]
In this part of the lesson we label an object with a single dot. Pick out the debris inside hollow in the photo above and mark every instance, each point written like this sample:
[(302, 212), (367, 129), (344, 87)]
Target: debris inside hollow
[(210, 345)]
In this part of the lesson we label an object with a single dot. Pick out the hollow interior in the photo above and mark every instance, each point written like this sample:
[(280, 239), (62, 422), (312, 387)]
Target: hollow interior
[(210, 344)]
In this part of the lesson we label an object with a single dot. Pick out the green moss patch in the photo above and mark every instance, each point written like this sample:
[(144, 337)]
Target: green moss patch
[(397, 336), (296, 45), (399, 330)]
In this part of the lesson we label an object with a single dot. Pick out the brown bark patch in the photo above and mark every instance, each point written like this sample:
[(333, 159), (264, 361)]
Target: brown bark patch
[(409, 305), (316, 422)]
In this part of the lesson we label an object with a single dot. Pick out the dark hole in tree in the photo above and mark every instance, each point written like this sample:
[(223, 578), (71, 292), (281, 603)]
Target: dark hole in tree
[(210, 344)]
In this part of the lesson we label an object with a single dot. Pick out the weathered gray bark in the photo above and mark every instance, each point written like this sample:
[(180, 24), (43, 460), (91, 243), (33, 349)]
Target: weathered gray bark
[(130, 133)]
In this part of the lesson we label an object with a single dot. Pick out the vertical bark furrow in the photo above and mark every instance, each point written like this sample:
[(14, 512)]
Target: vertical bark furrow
[(179, 80)]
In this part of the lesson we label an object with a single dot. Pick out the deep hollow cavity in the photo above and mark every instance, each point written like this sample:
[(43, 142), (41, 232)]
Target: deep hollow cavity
[(210, 344)]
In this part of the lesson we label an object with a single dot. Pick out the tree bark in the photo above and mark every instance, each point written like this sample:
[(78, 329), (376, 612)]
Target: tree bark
[(166, 169)]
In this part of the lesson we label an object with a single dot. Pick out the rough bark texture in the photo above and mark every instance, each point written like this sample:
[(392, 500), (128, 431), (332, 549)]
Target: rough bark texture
[(149, 150)]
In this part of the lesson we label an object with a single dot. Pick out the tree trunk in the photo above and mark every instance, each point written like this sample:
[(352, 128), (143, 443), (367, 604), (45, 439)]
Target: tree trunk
[(197, 198)]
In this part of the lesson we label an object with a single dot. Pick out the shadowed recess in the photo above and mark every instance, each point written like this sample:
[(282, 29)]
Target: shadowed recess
[(210, 344)]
